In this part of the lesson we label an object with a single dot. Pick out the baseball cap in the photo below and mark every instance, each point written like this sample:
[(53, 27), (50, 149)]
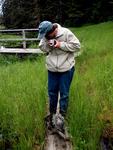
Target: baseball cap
[(44, 28)]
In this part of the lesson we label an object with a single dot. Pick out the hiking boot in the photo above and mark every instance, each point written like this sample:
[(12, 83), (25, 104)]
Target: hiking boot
[(58, 122), (49, 122)]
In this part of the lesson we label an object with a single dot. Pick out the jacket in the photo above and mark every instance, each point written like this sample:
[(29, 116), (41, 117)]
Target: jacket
[(62, 59)]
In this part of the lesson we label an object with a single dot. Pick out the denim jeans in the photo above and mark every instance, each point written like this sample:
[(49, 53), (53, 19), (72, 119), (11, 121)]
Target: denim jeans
[(59, 82)]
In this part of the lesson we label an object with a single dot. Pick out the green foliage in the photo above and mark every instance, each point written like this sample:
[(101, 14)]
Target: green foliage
[(23, 95), (11, 43), (24, 16), (91, 90), (28, 14)]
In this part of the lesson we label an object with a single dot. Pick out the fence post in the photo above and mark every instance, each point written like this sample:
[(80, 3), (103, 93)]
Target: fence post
[(24, 41)]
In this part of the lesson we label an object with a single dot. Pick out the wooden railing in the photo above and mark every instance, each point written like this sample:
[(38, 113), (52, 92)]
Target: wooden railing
[(23, 40)]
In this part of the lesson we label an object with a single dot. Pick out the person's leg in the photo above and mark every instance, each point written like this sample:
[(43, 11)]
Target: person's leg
[(53, 88), (65, 82)]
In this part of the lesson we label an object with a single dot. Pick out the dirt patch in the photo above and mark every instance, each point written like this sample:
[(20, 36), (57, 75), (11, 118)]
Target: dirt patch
[(106, 140)]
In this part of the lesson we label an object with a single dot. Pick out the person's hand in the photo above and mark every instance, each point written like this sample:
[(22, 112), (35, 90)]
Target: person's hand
[(57, 45), (54, 43)]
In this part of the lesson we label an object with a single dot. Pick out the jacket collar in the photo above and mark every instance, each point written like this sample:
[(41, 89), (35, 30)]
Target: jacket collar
[(60, 31)]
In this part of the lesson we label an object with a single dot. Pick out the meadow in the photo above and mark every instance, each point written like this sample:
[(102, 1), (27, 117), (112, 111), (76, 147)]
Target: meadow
[(91, 96), (23, 94)]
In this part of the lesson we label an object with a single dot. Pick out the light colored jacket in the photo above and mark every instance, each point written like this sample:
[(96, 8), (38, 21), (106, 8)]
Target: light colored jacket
[(62, 59)]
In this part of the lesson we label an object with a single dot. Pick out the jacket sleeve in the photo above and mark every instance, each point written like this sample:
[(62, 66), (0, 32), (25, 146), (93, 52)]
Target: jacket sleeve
[(43, 45), (71, 44)]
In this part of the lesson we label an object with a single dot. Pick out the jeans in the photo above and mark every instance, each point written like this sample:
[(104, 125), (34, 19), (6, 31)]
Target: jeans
[(59, 82)]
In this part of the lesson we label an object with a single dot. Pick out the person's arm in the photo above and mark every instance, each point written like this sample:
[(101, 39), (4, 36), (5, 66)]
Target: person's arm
[(44, 46), (72, 44)]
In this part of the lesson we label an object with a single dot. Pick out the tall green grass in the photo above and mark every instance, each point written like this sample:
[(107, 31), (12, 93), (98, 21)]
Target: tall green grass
[(96, 39), (91, 91), (22, 104)]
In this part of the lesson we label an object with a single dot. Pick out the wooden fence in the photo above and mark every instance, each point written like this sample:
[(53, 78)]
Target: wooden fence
[(24, 40)]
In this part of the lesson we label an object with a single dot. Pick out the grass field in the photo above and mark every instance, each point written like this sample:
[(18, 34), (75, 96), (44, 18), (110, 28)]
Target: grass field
[(23, 94), (91, 92), (22, 103)]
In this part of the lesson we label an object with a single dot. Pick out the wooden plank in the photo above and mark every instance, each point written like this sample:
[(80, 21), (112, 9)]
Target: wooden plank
[(55, 142), (19, 39), (20, 50), (18, 30)]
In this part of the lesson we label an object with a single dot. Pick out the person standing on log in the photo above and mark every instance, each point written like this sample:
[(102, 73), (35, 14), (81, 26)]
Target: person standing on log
[(60, 44)]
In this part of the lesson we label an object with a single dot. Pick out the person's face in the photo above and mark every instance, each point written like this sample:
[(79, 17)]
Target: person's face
[(52, 35)]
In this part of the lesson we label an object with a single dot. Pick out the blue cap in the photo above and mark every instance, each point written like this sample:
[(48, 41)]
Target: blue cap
[(44, 28)]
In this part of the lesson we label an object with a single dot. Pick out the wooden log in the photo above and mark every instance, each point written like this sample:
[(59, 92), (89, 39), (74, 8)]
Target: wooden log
[(19, 50)]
